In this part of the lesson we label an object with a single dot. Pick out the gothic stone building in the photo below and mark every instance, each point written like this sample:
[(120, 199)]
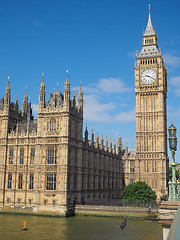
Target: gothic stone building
[(45, 163)]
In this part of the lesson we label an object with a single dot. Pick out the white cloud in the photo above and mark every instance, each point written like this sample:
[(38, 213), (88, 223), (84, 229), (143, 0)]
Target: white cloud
[(97, 108), (129, 116), (112, 85), (106, 85), (91, 89), (175, 82), (96, 111), (172, 60), (35, 109)]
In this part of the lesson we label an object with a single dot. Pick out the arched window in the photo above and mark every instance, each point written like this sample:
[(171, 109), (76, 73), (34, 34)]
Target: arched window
[(53, 125)]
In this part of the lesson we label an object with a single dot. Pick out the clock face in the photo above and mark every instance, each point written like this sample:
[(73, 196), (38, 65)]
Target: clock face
[(148, 76)]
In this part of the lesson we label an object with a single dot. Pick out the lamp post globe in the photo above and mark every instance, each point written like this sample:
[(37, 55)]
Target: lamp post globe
[(172, 140)]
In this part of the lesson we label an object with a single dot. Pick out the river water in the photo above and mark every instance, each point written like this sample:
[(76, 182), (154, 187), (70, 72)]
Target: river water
[(76, 228)]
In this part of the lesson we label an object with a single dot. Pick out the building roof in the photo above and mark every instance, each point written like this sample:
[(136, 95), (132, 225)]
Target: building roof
[(149, 51), (131, 152)]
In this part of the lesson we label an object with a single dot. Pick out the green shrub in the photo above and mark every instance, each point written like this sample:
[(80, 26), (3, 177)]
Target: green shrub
[(138, 191)]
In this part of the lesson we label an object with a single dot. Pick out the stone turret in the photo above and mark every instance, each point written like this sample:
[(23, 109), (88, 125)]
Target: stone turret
[(97, 140), (54, 99), (67, 90), (80, 99), (7, 96), (24, 104), (42, 94), (16, 106), (57, 91), (106, 144), (126, 149), (86, 135), (102, 142), (110, 146), (114, 147), (92, 138), (119, 145)]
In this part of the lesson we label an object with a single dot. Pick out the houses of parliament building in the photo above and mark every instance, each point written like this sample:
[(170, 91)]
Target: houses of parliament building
[(48, 163)]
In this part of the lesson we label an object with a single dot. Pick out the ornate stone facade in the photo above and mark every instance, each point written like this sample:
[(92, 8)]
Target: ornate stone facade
[(45, 163)]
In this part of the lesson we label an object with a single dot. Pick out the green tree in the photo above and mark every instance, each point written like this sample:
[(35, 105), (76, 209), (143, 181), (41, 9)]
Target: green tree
[(138, 191), (170, 173)]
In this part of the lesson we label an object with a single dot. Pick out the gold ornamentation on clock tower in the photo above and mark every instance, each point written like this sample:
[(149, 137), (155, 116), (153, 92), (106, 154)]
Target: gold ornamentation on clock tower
[(151, 119)]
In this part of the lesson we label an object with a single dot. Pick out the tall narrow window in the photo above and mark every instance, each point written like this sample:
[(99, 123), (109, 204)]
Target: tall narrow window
[(53, 125), (32, 155), (131, 166), (152, 165), (144, 166), (144, 103), (31, 181), (52, 155), (51, 181), (11, 155), (147, 166), (124, 167), (155, 185), (21, 156), (9, 180), (94, 182), (20, 181)]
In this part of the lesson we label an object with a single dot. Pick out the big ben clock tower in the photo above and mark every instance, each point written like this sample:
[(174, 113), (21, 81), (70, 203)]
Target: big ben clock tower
[(152, 164)]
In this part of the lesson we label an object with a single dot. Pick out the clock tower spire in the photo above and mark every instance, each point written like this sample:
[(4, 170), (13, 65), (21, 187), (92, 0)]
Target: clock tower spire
[(149, 28), (151, 117), (149, 46)]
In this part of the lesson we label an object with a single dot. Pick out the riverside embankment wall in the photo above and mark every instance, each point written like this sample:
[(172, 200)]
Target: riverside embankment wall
[(115, 211), (89, 210)]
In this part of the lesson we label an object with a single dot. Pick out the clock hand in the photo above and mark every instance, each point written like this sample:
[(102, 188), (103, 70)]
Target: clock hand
[(150, 77)]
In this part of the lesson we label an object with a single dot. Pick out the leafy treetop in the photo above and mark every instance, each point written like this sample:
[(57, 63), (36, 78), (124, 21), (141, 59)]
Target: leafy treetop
[(138, 191)]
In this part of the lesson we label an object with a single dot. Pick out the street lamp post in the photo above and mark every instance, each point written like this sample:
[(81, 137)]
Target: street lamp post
[(173, 194)]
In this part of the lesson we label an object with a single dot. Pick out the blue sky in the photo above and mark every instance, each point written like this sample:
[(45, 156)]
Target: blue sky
[(97, 42)]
